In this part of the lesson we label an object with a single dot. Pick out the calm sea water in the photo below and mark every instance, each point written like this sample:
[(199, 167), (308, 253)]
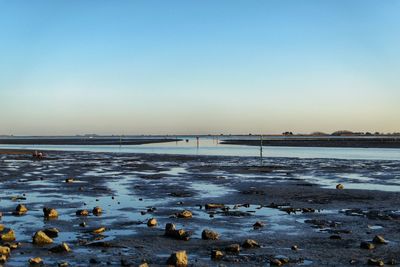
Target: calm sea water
[(211, 146)]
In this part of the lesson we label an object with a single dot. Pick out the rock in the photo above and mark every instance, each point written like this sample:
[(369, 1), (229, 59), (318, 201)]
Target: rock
[(275, 262), (391, 262), (378, 239), (82, 212), (353, 261), (144, 265), (250, 243), (69, 180), (20, 210), (7, 236), (5, 251), (367, 245), (1, 227), (258, 225), (375, 262), (12, 245), (184, 214), (217, 254), (50, 213), (62, 248), (209, 235), (234, 248), (178, 259), (40, 238), (63, 264), (97, 211), (339, 186), (99, 230), (152, 222), (51, 232), (294, 247), (82, 224), (180, 234), (3, 259), (214, 206), (35, 261)]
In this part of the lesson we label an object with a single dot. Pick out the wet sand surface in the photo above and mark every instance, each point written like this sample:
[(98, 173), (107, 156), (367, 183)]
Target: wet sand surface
[(295, 199)]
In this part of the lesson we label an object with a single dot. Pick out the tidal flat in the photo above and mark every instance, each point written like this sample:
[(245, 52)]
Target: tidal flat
[(289, 207)]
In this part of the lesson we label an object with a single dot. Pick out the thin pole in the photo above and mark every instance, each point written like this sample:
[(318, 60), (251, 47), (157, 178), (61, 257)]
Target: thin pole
[(261, 148)]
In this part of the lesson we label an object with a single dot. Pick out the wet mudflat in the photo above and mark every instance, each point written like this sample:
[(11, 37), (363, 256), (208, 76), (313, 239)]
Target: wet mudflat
[(290, 207)]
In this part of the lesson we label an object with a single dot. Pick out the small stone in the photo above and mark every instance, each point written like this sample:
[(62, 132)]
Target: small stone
[(217, 254), (5, 251), (51, 232), (82, 212), (40, 238), (367, 245), (1, 227), (99, 230), (21, 209), (378, 239), (214, 206), (50, 213), (339, 186), (178, 259), (294, 247), (152, 222), (391, 262), (353, 261), (36, 261), (179, 234), (234, 248), (144, 265), (62, 248), (8, 236), (375, 262), (97, 211), (184, 214), (82, 224), (209, 235), (250, 243), (63, 264), (275, 262), (69, 180), (258, 225)]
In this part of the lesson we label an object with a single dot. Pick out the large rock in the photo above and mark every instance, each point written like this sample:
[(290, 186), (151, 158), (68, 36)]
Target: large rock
[(21, 209), (250, 243), (234, 248), (50, 213), (209, 235), (41, 239), (152, 222), (217, 254), (178, 259), (171, 231), (7, 235), (5, 251), (184, 214), (62, 248)]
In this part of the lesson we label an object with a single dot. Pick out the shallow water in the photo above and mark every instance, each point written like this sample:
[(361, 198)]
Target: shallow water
[(211, 146)]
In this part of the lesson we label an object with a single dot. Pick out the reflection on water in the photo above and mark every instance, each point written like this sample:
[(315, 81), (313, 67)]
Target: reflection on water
[(210, 146)]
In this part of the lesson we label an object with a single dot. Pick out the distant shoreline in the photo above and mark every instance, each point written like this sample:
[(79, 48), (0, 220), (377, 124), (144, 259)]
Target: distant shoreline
[(83, 141), (353, 142)]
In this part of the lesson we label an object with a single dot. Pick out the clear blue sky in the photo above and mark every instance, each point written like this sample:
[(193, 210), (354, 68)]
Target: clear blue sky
[(200, 66)]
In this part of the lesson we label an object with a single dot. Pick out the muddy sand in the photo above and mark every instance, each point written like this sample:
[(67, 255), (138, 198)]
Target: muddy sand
[(295, 201)]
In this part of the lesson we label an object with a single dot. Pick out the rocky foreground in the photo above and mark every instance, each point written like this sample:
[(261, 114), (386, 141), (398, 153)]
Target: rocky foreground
[(81, 209)]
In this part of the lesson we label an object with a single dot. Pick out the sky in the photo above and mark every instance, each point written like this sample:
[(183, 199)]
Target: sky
[(198, 66)]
